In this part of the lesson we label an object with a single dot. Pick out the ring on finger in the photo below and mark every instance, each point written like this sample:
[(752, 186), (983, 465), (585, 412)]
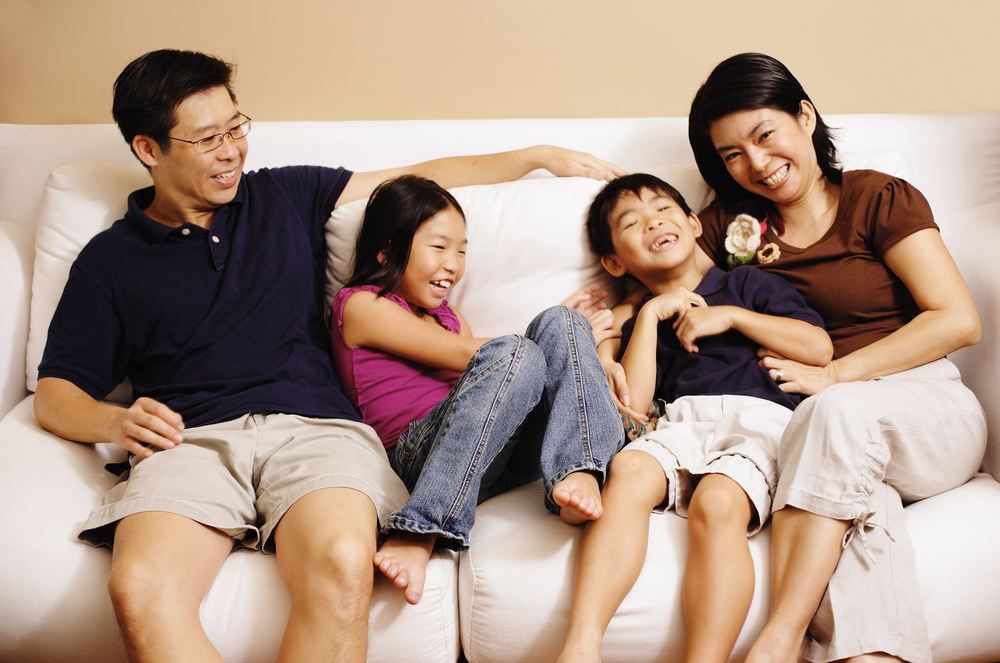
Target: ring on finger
[(778, 375)]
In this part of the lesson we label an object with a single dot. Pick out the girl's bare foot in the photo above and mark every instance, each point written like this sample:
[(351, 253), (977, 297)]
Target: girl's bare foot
[(579, 498), (403, 559)]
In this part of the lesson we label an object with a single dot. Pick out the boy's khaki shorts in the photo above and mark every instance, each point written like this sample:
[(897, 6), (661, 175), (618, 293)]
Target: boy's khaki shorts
[(240, 476)]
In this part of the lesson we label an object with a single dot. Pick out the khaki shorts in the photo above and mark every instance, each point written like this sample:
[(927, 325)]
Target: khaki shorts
[(736, 436), (240, 476)]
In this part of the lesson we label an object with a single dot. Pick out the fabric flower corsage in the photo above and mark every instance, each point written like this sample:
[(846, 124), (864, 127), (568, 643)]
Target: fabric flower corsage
[(743, 239), (768, 253)]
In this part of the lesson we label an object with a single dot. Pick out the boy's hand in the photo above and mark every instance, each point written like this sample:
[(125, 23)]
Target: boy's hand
[(694, 323), (672, 303), (618, 385), (587, 300)]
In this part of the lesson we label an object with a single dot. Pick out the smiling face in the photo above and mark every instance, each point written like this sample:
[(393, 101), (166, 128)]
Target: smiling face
[(437, 260), (769, 152), (191, 186), (654, 239)]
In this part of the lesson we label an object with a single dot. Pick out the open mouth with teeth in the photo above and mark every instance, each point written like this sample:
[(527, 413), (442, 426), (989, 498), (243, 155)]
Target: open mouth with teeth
[(442, 286), (778, 176), (225, 177), (662, 242)]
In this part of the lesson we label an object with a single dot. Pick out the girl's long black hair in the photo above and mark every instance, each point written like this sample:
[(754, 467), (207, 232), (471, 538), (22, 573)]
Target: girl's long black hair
[(396, 209)]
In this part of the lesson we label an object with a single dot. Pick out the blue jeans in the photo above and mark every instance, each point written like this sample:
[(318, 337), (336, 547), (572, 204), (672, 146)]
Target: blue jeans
[(526, 406)]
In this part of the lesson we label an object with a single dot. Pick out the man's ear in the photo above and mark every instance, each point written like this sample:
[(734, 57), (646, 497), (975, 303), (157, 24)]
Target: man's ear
[(146, 149), (612, 265), (695, 224)]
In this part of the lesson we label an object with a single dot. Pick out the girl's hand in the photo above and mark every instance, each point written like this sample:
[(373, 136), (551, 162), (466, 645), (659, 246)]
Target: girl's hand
[(795, 377), (587, 300), (603, 325)]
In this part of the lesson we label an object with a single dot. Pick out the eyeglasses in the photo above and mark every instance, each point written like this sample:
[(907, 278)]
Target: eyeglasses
[(215, 142)]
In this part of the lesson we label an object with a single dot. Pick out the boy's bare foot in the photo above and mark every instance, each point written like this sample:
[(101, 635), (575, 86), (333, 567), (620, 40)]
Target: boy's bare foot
[(579, 498), (403, 559)]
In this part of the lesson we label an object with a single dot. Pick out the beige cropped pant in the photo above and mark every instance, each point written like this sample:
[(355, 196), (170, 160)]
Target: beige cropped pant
[(856, 452)]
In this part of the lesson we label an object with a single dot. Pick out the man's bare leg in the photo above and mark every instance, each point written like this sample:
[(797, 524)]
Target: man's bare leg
[(605, 569), (719, 577), (805, 551), (162, 566), (403, 559), (579, 497), (324, 545)]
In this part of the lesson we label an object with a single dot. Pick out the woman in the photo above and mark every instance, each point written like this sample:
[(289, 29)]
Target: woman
[(889, 420)]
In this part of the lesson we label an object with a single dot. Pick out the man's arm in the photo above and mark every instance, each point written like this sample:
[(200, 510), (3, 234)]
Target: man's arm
[(488, 169), (66, 410)]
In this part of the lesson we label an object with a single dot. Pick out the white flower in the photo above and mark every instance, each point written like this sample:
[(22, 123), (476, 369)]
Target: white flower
[(743, 236)]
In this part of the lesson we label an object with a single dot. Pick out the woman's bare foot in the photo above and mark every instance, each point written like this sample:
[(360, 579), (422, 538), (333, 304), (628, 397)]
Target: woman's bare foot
[(579, 498), (576, 651), (403, 559)]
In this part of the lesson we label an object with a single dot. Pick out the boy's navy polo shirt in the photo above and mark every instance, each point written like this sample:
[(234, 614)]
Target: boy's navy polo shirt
[(213, 323), (726, 363)]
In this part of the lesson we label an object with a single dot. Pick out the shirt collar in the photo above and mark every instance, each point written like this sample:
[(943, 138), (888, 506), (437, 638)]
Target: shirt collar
[(153, 230)]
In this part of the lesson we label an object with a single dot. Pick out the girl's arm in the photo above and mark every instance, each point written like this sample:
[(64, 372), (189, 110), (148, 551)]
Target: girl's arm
[(791, 338), (379, 323), (948, 320)]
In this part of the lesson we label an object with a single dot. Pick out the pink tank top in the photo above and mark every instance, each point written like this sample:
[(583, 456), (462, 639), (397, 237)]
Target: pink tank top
[(389, 391)]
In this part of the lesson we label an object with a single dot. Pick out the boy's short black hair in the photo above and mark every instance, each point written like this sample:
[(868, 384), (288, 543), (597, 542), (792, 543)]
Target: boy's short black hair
[(598, 218)]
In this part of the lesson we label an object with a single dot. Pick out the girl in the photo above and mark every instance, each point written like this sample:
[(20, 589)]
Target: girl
[(464, 418)]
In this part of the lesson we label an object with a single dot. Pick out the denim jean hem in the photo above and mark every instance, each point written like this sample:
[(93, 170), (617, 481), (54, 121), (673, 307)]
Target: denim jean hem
[(449, 540), (582, 466)]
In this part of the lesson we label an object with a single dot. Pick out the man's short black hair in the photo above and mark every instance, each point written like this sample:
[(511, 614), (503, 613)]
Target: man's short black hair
[(151, 87), (599, 216)]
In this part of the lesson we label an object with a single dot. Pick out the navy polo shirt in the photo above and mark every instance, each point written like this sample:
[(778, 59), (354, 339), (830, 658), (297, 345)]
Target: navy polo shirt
[(726, 363), (213, 323)]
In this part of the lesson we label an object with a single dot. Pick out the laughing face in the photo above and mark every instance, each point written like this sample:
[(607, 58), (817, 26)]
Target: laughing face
[(769, 152), (192, 185), (437, 260), (652, 236)]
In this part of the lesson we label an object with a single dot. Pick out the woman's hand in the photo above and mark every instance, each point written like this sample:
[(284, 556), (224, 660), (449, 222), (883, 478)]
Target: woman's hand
[(795, 377)]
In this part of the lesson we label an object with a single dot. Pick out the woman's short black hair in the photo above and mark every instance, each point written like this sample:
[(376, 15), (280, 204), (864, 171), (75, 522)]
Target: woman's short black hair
[(745, 82), (152, 86), (396, 209), (599, 215)]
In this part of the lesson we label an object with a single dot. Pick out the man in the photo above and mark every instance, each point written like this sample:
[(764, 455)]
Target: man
[(208, 295)]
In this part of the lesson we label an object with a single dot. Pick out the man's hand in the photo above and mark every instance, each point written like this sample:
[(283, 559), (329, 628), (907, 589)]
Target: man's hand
[(145, 426), (568, 163)]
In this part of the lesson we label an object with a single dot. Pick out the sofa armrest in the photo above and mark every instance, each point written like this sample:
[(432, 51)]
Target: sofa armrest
[(973, 242), (17, 259)]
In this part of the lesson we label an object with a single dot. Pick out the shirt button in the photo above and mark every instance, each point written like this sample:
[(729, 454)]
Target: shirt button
[(215, 239), (186, 231)]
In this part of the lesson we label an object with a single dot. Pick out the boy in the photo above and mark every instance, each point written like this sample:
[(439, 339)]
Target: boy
[(712, 456)]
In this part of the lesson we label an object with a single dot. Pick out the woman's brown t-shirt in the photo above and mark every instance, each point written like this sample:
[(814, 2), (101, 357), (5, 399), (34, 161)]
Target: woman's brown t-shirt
[(842, 276)]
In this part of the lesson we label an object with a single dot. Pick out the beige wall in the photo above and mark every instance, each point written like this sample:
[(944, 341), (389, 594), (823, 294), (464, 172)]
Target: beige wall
[(431, 59)]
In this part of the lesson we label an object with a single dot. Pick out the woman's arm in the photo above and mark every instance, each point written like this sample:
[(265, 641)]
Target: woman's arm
[(379, 323), (487, 169), (948, 320)]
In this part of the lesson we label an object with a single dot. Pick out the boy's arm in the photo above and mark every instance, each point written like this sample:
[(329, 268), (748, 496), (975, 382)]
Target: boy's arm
[(488, 169), (794, 339), (639, 360), (609, 349)]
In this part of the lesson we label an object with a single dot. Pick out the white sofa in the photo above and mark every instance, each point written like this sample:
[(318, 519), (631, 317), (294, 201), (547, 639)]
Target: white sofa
[(506, 599)]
